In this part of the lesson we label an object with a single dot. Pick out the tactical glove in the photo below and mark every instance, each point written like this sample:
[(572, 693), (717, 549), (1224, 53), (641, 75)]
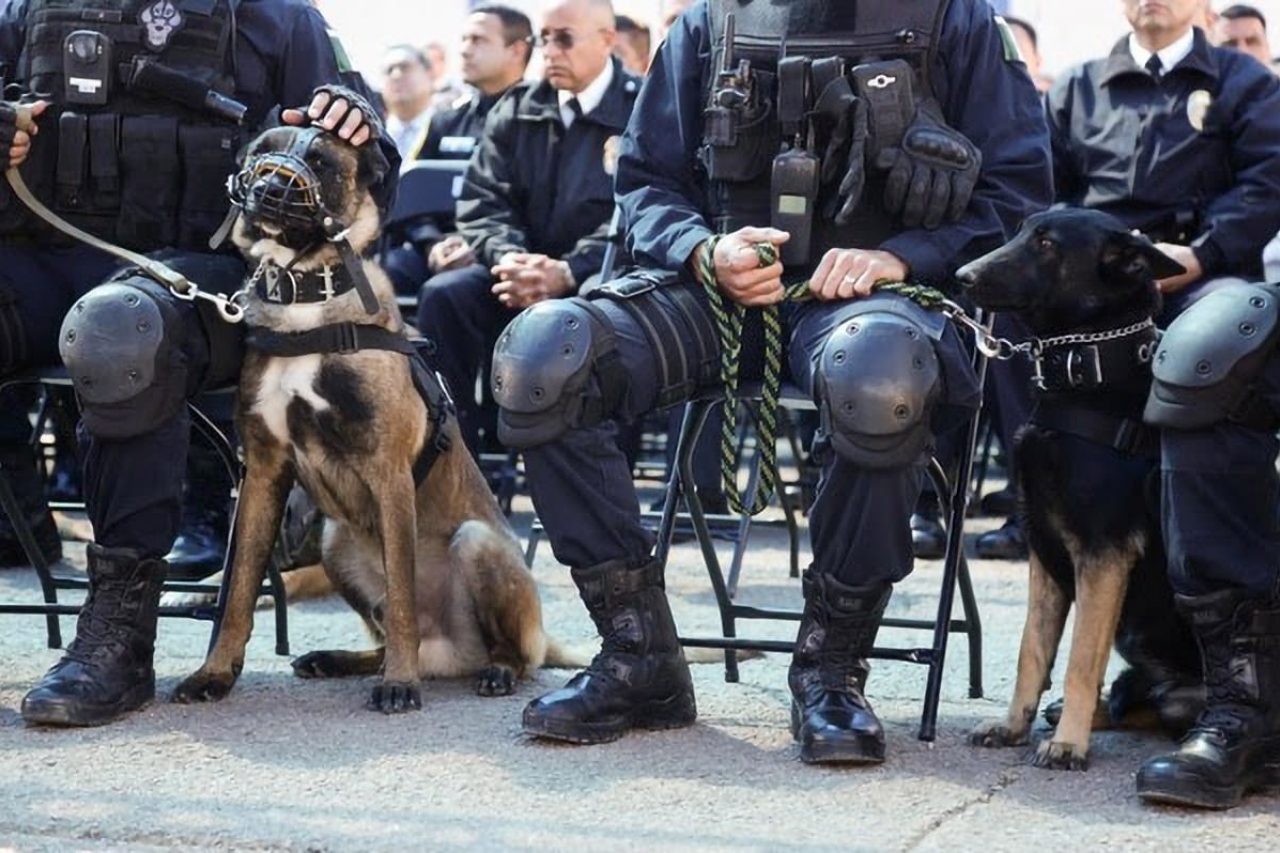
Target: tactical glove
[(847, 146), (931, 172), (355, 101)]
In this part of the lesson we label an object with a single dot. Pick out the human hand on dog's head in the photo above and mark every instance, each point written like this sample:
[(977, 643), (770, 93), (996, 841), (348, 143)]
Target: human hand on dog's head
[(525, 278), (340, 111)]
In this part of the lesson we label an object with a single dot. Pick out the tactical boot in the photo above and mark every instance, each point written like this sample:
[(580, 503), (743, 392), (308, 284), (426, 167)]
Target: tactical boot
[(640, 678), (201, 545), (107, 670), (1234, 746), (23, 477), (830, 716)]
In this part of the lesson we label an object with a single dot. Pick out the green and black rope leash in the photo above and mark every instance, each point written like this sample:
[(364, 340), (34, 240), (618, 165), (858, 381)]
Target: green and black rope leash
[(729, 317)]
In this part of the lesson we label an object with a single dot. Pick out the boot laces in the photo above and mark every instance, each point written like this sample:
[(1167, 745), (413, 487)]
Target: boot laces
[(1229, 705)]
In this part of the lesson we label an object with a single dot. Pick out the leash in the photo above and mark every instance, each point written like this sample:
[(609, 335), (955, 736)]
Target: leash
[(729, 319), (181, 286)]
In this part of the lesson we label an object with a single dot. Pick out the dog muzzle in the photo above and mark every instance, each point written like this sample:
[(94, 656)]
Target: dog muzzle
[(280, 190)]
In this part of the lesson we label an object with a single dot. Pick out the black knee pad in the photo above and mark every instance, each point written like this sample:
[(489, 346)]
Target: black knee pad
[(122, 344), (1208, 359), (877, 380), (555, 368)]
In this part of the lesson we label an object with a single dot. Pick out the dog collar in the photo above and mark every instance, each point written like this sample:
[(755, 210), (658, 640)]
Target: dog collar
[(283, 286)]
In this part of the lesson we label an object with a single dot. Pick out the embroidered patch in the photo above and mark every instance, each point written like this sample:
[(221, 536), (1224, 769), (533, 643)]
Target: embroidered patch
[(161, 20)]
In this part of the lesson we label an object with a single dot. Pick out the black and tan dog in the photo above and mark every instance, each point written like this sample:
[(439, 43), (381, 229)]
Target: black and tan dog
[(330, 395), (1086, 465)]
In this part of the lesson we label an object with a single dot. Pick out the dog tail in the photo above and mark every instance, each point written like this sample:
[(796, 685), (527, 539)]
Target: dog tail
[(561, 656)]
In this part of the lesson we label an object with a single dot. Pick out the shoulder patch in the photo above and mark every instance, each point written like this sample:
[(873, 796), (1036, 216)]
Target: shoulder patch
[(339, 53), (1011, 52)]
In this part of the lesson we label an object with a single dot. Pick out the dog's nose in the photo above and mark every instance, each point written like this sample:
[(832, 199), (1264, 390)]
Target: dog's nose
[(967, 275)]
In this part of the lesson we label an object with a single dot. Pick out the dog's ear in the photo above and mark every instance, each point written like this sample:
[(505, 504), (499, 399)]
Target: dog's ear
[(1133, 257), (373, 164)]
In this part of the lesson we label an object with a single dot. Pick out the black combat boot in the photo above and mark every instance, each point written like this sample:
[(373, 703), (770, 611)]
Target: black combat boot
[(23, 477), (107, 670), (640, 678), (830, 716), (201, 545), (1234, 746)]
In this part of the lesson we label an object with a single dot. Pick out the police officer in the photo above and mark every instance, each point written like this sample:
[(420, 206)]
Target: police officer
[(495, 53), (537, 198), (914, 105), (143, 106), (1176, 138), (1216, 397)]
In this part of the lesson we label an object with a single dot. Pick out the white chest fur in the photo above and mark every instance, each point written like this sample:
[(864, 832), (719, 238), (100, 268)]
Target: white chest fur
[(282, 381)]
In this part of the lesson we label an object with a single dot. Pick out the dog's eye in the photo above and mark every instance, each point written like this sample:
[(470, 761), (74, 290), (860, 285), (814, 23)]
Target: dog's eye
[(1045, 244)]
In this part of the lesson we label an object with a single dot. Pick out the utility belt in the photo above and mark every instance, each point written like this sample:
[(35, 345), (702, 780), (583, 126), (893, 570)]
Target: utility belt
[(141, 181)]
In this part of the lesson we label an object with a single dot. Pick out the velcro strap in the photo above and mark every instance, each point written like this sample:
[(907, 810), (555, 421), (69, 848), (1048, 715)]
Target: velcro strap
[(1128, 435), (333, 338)]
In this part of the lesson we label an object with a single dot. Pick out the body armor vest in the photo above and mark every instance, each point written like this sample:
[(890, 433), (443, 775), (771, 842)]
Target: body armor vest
[(841, 34), (142, 131)]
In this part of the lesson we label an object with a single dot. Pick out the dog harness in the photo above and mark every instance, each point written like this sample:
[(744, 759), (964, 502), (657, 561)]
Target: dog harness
[(344, 338), (1067, 365)]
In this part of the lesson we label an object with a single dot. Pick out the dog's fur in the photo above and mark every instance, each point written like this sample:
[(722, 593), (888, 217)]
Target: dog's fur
[(435, 570), (1087, 508)]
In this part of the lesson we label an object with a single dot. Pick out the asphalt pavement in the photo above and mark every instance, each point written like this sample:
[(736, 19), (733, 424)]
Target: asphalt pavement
[(291, 764)]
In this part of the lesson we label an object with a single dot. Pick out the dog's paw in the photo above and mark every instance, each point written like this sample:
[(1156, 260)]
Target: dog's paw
[(996, 734), (393, 697), (1060, 755), (317, 665), (204, 686), (496, 680)]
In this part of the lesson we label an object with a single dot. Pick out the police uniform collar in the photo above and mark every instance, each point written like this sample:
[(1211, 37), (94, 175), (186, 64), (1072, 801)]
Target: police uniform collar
[(283, 286), (1200, 58)]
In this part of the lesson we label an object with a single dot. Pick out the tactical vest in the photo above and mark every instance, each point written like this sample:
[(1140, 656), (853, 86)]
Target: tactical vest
[(842, 34), (141, 134)]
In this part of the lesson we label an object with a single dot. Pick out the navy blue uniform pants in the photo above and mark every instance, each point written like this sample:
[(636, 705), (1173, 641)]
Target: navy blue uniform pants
[(458, 311), (859, 525), (1221, 503), (133, 487)]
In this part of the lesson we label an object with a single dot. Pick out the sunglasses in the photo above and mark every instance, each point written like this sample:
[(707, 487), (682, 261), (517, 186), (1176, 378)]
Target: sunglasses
[(561, 39)]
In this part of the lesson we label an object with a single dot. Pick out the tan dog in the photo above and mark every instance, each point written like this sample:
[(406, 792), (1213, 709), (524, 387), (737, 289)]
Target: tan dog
[(433, 567)]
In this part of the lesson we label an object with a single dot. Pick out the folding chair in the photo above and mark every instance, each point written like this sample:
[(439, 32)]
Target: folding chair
[(56, 381), (954, 495)]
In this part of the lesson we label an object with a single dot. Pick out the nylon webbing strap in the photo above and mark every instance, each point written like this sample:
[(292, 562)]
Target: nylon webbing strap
[(729, 319)]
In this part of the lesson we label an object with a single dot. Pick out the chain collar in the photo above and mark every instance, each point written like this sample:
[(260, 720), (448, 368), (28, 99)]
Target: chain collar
[(1002, 349)]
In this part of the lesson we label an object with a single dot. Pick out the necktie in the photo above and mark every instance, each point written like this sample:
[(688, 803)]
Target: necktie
[(575, 107), (1155, 67)]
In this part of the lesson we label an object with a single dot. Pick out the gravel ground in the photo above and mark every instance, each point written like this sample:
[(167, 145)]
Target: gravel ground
[(287, 764)]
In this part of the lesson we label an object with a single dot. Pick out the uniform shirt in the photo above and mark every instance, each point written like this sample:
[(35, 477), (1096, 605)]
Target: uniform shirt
[(453, 133), (408, 135), (1199, 149), (990, 99), (535, 186), (283, 51)]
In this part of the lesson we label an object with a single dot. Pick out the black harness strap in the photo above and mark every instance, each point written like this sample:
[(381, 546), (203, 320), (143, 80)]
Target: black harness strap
[(1128, 435), (343, 338)]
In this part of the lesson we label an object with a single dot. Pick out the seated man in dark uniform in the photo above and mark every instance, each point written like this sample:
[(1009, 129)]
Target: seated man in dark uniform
[(536, 200), (817, 116), (141, 162), (495, 53)]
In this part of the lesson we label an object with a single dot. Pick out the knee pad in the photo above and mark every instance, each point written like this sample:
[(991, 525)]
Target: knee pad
[(1207, 361), (121, 343), (877, 380), (555, 368)]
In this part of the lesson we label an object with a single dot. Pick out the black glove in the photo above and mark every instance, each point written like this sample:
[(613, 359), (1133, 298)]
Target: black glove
[(932, 171), (355, 101), (846, 147)]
